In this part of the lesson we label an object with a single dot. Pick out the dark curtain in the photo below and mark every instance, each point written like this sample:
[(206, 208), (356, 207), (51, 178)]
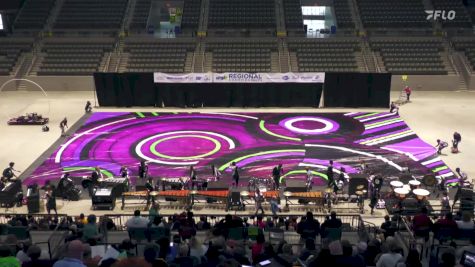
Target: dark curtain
[(138, 89), (357, 89)]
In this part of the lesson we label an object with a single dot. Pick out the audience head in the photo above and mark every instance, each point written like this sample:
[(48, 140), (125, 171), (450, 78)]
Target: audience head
[(150, 253), (412, 256), (310, 244), (335, 248), (347, 248), (75, 249), (287, 249), (309, 215), (91, 219), (448, 259), (361, 247), (34, 252), (260, 239), (386, 218), (424, 210), (136, 262), (449, 216), (466, 216), (137, 213), (5, 251), (333, 215)]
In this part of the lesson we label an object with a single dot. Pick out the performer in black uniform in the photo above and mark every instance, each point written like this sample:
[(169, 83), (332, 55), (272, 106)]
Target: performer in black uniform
[(51, 199), (235, 173), (124, 172), (9, 172), (258, 199), (330, 174), (143, 169), (63, 125), (192, 177), (276, 173), (216, 173)]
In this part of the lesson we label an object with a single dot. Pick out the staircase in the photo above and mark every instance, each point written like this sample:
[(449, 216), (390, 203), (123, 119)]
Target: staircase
[(189, 62), (198, 63), (355, 13), (279, 16), (361, 62), (122, 64), (208, 62), (128, 14), (24, 66), (274, 62), (463, 69), (53, 15), (284, 57), (368, 58), (113, 62), (294, 63), (203, 24)]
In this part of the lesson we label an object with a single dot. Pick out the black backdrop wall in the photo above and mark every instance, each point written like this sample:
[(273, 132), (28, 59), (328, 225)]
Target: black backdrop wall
[(341, 90), (357, 89)]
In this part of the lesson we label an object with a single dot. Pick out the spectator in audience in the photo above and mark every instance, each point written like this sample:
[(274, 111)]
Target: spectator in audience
[(197, 249), (267, 254), (90, 231), (6, 257), (258, 247), (466, 223), (34, 252), (153, 212), (22, 255), (360, 249), (470, 248), (347, 259), (309, 250), (203, 224), (165, 251), (446, 222), (412, 259), (74, 254), (150, 254), (156, 222), (135, 262), (388, 227), (137, 221), (373, 249), (216, 238), (310, 228), (422, 224), (324, 258), (287, 254), (391, 258), (183, 259), (87, 257), (239, 254), (448, 260), (333, 222)]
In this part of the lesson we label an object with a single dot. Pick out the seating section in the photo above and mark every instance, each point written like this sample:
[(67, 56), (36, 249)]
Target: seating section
[(241, 14), (462, 17), (73, 56), (191, 14), (467, 45), (393, 14), (10, 50), (91, 14), (343, 15), (150, 55), (314, 55), (33, 14), (411, 56), (239, 56), (293, 14), (140, 16)]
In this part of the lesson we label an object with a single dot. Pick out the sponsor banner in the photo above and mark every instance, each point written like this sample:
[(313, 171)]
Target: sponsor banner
[(159, 77), (240, 77), (290, 77)]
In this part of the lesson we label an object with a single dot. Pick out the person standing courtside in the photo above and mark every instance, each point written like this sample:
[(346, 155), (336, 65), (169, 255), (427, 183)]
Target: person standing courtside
[(408, 92), (276, 173), (63, 125)]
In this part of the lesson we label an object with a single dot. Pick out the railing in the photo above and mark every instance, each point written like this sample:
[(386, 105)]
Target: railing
[(55, 242), (351, 222), (6, 217), (411, 240)]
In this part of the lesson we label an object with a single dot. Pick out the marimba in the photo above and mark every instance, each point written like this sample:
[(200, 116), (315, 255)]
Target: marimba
[(140, 195), (316, 196)]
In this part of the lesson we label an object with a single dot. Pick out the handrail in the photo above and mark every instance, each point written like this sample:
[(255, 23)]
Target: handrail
[(412, 239), (55, 240)]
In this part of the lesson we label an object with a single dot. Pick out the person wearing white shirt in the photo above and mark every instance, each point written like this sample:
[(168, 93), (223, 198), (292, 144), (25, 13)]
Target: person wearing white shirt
[(466, 223), (392, 258), (137, 221)]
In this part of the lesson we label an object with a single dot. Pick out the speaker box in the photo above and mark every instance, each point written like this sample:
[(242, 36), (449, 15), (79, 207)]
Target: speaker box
[(140, 185), (296, 186), (33, 203), (217, 186), (356, 181)]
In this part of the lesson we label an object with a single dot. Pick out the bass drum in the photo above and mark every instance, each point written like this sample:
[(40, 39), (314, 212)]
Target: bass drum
[(86, 183), (73, 194)]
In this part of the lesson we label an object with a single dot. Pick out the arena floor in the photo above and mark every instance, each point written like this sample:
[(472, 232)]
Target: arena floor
[(431, 115)]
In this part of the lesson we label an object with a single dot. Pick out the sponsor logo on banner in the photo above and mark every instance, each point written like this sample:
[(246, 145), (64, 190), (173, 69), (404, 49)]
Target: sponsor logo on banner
[(243, 77)]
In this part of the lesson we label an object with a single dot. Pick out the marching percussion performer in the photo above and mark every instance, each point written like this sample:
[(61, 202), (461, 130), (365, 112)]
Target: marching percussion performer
[(235, 173), (445, 203), (258, 199), (9, 172), (330, 173), (276, 173), (150, 188), (51, 199), (215, 172), (309, 178), (192, 177), (143, 169), (124, 172)]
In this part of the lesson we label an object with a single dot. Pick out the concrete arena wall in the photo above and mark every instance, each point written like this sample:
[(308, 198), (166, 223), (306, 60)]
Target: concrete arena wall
[(426, 82), (86, 83)]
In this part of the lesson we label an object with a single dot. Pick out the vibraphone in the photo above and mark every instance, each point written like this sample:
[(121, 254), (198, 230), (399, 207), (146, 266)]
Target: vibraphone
[(138, 195), (173, 183), (316, 196), (173, 195)]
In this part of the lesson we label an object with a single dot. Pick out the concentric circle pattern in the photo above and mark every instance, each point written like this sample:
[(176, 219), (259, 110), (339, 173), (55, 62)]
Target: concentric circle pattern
[(256, 142)]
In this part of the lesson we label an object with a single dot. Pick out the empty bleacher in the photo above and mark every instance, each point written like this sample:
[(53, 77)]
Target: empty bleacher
[(241, 14), (467, 46), (462, 17), (343, 15), (241, 56), (293, 14), (393, 14), (140, 15), (91, 14), (33, 14), (10, 50), (73, 56), (411, 56), (191, 14), (151, 55), (332, 54)]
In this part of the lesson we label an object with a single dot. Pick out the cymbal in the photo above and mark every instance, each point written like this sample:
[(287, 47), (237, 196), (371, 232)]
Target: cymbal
[(287, 194), (100, 180), (328, 190), (244, 193), (359, 187), (359, 193), (154, 193)]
